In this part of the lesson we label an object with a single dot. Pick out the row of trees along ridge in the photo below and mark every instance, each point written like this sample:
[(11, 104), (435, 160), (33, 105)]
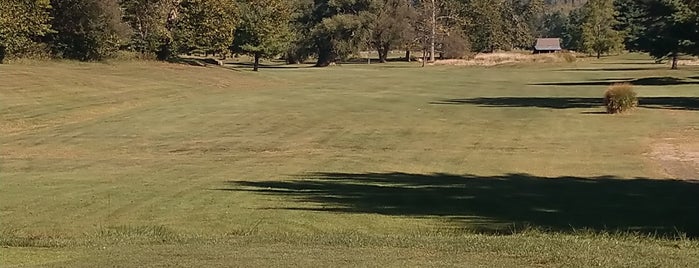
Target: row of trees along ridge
[(332, 30)]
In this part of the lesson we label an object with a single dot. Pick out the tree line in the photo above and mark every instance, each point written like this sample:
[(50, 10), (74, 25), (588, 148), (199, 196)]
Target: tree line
[(335, 30)]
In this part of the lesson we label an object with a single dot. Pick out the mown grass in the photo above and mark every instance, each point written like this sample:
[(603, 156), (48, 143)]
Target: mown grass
[(149, 164)]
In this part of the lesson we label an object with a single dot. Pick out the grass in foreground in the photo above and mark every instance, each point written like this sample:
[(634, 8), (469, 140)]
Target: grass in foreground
[(155, 164)]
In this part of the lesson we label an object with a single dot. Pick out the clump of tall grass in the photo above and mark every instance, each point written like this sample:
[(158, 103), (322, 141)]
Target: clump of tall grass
[(619, 98)]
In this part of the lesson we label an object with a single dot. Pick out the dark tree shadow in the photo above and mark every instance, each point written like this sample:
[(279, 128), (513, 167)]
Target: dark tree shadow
[(626, 69), (632, 62), (496, 203), (250, 65), (647, 81), (676, 103)]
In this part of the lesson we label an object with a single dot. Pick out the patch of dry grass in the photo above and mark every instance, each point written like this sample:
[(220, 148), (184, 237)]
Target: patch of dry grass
[(690, 62), (498, 58)]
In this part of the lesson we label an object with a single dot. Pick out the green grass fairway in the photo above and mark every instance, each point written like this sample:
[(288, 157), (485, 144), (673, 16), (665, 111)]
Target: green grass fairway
[(149, 164)]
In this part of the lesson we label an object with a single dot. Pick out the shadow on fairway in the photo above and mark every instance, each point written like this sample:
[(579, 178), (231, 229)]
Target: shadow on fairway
[(648, 81), (676, 103), (494, 204), (249, 65), (632, 62), (626, 69)]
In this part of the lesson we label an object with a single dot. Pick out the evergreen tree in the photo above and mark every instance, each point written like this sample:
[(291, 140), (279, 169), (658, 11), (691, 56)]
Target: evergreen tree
[(667, 28)]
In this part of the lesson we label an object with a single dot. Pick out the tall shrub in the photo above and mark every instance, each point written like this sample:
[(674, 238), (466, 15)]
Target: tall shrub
[(619, 98), (87, 29)]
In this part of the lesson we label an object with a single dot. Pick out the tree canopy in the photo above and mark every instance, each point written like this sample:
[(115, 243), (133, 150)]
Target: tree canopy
[(332, 30), (264, 30), (22, 22)]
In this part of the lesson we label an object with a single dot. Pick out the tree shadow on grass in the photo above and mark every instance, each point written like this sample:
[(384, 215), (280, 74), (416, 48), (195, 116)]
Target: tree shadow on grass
[(647, 81), (625, 69), (675, 103), (250, 65), (493, 204)]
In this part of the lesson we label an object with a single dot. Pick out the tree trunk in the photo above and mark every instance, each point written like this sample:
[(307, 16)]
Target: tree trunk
[(674, 61), (434, 31), (383, 54), (407, 55), (325, 57), (424, 56), (2, 54), (256, 65), (164, 51), (599, 54)]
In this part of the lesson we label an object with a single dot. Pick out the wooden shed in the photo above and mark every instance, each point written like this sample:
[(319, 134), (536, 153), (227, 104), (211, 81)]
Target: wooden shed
[(547, 45)]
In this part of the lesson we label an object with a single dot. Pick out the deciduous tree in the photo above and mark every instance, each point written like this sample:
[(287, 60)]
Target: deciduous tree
[(207, 25), (598, 33), (149, 23), (87, 29), (390, 25), (264, 29), (22, 23)]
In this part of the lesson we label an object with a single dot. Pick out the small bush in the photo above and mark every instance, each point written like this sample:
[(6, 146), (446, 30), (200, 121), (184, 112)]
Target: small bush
[(619, 98)]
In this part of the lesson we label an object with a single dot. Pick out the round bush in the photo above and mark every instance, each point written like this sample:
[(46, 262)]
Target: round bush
[(619, 98)]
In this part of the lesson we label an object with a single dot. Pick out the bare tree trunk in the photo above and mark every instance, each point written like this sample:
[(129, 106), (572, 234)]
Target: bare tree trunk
[(407, 55), (383, 53), (674, 61), (424, 56), (2, 54), (256, 65), (325, 57), (434, 30)]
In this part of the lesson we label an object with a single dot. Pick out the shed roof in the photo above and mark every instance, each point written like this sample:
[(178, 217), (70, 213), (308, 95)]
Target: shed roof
[(548, 44)]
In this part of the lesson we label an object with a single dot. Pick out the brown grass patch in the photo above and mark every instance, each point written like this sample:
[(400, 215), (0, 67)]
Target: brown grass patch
[(499, 58), (676, 154), (692, 62)]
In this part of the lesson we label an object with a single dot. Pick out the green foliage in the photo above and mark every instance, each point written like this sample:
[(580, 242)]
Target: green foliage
[(390, 25), (264, 29), (22, 22), (149, 22), (664, 28), (619, 98), (485, 26), (598, 33), (517, 16), (573, 34), (87, 29), (552, 24), (502, 24), (336, 28), (207, 25), (629, 15)]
